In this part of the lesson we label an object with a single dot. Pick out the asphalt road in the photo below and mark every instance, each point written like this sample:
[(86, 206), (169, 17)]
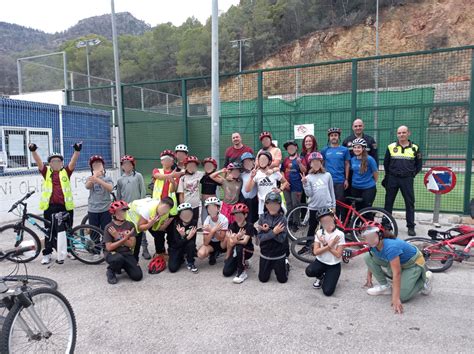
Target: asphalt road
[(185, 312)]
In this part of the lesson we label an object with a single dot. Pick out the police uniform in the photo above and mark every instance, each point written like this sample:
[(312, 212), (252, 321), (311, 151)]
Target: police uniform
[(401, 165), (371, 145)]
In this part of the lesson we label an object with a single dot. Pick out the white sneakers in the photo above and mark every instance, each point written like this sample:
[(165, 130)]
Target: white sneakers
[(46, 259), (241, 278), (428, 284), (380, 290)]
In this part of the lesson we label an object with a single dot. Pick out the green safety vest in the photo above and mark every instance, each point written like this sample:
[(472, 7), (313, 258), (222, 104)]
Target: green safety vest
[(133, 215), (158, 189), (48, 189)]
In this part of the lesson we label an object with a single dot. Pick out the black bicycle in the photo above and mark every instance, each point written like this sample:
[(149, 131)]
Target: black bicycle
[(84, 242)]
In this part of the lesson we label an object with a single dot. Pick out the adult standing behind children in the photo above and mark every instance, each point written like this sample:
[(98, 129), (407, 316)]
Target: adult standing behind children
[(233, 153)]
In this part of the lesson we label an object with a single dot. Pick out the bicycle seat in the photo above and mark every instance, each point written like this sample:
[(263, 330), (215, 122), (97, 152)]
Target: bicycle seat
[(355, 199)]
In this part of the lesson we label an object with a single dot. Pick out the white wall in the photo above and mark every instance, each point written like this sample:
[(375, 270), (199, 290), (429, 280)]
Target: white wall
[(52, 97), (13, 188)]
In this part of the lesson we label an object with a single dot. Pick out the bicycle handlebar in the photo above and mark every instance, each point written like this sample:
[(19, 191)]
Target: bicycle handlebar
[(16, 251), (29, 194)]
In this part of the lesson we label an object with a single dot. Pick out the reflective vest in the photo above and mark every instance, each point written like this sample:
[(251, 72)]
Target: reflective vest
[(158, 189), (48, 189), (139, 207), (404, 161)]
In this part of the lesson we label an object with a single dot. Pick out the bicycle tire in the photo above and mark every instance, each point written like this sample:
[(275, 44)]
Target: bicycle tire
[(387, 220), (37, 295), (296, 227), (85, 247), (18, 259), (445, 261), (296, 246), (34, 282), (85, 220)]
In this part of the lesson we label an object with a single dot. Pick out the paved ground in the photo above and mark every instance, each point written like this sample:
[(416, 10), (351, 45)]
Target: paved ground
[(186, 312)]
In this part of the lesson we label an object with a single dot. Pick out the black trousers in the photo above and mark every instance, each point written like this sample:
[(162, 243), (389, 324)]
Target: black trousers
[(266, 267), (118, 261), (136, 250), (51, 242), (176, 255), (340, 194), (252, 204), (196, 214), (405, 185), (368, 196), (330, 273), (236, 263), (100, 219), (159, 237)]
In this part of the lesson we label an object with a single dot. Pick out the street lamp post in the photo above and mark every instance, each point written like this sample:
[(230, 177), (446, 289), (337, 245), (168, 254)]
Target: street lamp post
[(239, 43), (376, 76), (86, 44)]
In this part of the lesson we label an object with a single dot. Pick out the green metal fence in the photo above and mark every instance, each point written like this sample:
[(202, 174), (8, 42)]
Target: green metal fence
[(431, 92)]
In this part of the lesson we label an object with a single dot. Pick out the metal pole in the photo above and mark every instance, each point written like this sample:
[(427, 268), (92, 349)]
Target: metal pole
[(215, 83), (88, 72), (20, 85), (240, 56), (376, 91), (118, 90), (112, 101), (437, 207), (71, 78), (142, 99)]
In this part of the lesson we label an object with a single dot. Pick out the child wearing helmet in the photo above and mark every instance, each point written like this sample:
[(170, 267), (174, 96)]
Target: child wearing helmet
[(231, 184), (188, 187), (364, 174), (292, 167), (269, 146), (273, 238), (249, 198), (214, 230), (239, 244), (181, 152), (327, 247), (100, 188), (119, 240), (208, 185), (182, 243)]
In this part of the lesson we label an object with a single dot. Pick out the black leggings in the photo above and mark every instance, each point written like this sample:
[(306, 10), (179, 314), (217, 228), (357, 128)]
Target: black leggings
[(266, 267), (138, 242), (368, 196), (159, 237), (237, 263), (330, 273), (176, 255), (118, 261)]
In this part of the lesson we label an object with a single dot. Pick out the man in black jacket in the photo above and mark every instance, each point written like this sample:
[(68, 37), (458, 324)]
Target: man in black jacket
[(358, 129)]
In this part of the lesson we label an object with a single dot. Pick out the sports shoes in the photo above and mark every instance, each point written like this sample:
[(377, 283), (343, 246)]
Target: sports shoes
[(411, 231), (212, 258), (287, 265), (192, 268), (145, 253), (428, 286), (385, 289), (240, 278), (318, 283), (46, 259), (111, 277), (59, 261), (303, 250)]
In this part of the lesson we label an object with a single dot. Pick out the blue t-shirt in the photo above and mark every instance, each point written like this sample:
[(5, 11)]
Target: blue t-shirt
[(292, 172), (365, 180), (393, 248), (334, 160)]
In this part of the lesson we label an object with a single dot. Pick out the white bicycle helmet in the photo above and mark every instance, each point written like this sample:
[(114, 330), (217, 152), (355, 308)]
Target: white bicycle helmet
[(181, 147), (212, 200), (184, 206), (359, 141)]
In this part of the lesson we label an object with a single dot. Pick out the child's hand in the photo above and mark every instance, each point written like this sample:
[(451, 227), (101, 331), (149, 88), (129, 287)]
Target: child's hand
[(253, 173), (217, 227), (304, 179), (269, 172), (192, 232), (98, 173), (322, 241), (279, 228), (263, 227), (126, 235), (181, 230), (333, 242), (206, 228), (241, 233), (113, 231)]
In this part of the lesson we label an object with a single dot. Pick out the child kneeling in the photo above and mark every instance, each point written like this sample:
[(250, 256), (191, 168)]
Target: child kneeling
[(328, 247), (119, 239)]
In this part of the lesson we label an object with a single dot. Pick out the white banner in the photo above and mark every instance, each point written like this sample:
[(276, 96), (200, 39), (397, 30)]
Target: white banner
[(302, 130)]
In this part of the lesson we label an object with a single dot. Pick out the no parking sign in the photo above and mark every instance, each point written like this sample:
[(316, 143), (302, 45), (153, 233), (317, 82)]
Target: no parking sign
[(440, 180)]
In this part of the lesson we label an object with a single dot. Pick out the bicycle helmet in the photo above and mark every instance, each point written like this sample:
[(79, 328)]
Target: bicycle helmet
[(157, 265), (268, 155), (240, 208), (290, 142), (247, 155), (211, 160), (129, 158), (315, 156), (372, 227), (265, 135), (55, 154), (335, 130), (184, 206), (273, 197), (181, 147), (167, 153), (118, 205), (212, 201), (323, 212), (191, 159), (95, 158), (234, 166), (359, 141)]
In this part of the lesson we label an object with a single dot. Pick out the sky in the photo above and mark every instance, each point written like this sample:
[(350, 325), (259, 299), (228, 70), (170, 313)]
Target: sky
[(58, 15)]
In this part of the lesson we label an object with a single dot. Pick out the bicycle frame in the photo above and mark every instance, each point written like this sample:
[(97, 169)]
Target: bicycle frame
[(459, 256), (348, 252), (351, 210)]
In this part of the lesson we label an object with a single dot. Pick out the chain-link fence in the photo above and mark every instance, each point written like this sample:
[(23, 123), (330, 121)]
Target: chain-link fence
[(431, 92)]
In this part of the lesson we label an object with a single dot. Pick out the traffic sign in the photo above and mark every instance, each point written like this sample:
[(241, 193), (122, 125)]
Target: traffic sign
[(440, 180)]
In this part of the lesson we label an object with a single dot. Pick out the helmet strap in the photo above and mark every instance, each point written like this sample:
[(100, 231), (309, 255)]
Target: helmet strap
[(117, 219)]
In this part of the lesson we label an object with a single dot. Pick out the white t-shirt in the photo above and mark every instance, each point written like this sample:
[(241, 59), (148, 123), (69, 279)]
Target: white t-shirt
[(189, 185), (265, 184), (327, 257), (221, 218)]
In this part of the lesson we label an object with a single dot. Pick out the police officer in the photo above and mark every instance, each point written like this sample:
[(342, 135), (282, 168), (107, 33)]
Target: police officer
[(402, 162), (358, 133)]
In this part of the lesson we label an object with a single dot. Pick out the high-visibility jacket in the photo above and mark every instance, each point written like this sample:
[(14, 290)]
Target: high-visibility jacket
[(48, 189), (158, 190), (145, 208), (403, 161)]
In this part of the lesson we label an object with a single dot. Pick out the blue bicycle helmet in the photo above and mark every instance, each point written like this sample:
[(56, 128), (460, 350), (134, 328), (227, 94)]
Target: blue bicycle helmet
[(247, 155)]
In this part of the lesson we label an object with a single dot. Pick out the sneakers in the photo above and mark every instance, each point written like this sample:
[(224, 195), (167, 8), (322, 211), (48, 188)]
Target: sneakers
[(212, 258), (145, 253), (411, 231), (287, 265), (428, 286), (59, 261), (46, 259), (318, 283), (303, 250), (380, 290), (192, 268), (240, 278), (111, 277)]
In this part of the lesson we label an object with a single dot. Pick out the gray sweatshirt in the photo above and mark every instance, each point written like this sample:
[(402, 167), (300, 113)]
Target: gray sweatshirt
[(131, 187), (320, 189)]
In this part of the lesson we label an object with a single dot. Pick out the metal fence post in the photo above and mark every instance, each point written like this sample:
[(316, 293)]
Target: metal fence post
[(184, 95), (470, 143), (354, 90), (259, 106)]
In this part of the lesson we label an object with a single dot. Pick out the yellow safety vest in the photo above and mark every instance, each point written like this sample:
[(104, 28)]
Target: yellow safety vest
[(158, 189), (407, 153), (133, 215), (48, 189)]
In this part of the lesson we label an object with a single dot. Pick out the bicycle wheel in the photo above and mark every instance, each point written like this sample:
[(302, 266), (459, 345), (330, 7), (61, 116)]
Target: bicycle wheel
[(33, 282), (297, 222), (86, 244), (12, 236), (85, 220), (378, 215), (21, 333), (438, 258), (302, 250)]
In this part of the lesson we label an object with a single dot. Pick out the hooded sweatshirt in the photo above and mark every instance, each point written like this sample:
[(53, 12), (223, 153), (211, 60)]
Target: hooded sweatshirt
[(273, 246), (321, 191)]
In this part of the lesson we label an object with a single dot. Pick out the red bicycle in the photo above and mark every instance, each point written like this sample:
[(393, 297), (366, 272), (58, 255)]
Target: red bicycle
[(443, 248)]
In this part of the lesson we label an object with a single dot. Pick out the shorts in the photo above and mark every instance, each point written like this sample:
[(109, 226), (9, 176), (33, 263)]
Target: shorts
[(216, 245)]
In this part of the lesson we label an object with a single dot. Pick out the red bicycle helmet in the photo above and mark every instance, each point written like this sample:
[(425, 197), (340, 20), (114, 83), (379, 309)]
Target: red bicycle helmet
[(240, 208), (169, 153), (265, 135), (191, 159), (118, 205), (157, 265), (315, 156), (95, 158), (211, 160), (128, 158)]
